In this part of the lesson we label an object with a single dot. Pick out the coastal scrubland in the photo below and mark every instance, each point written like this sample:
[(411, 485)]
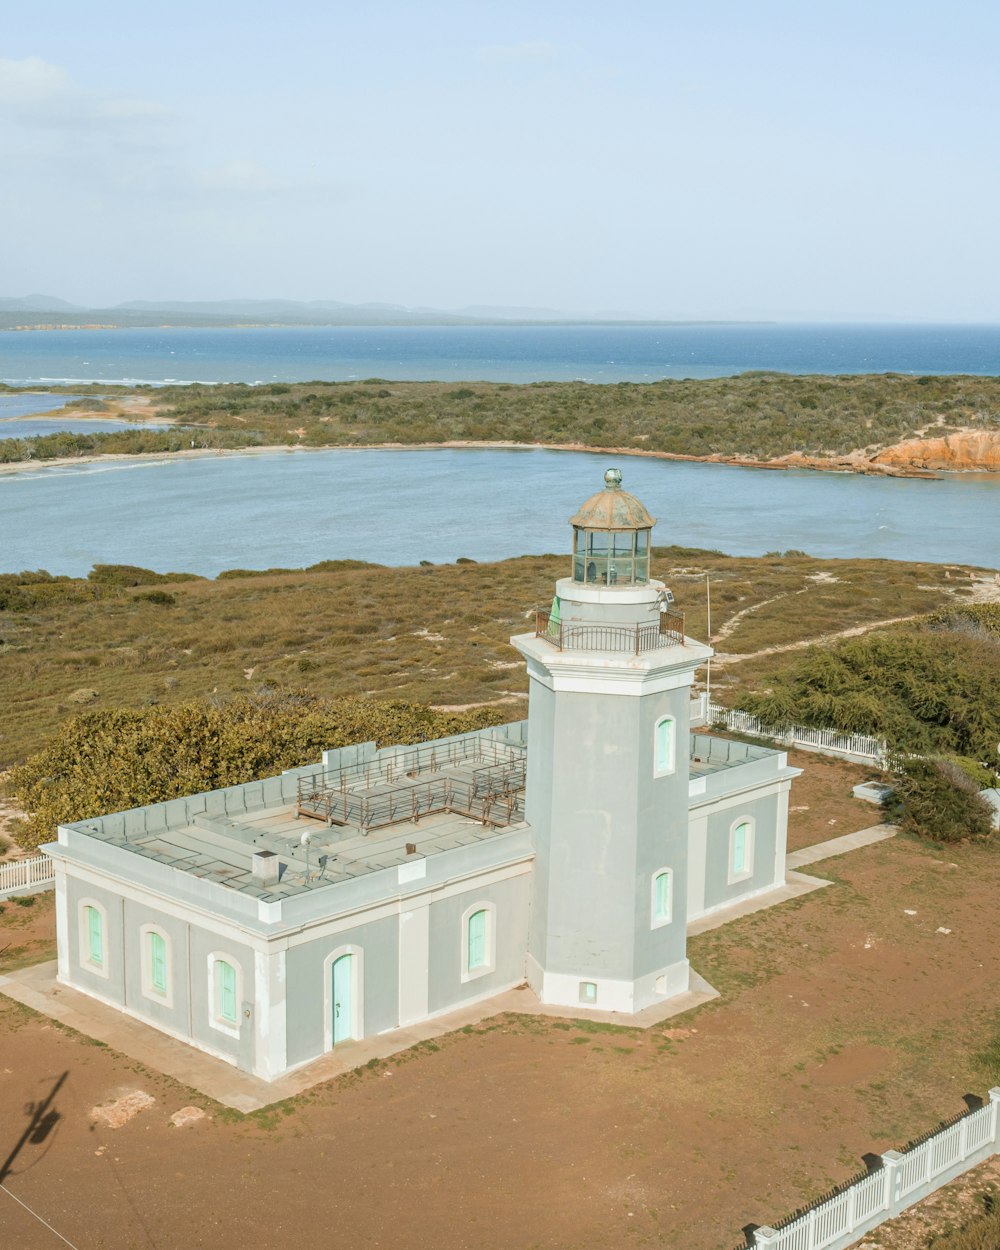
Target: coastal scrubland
[(931, 685), (435, 635), (755, 416)]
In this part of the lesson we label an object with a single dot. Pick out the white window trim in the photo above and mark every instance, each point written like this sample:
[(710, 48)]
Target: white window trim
[(671, 766), (658, 922), (747, 873), (357, 993), (166, 997), (484, 970), (101, 969), (224, 1026)]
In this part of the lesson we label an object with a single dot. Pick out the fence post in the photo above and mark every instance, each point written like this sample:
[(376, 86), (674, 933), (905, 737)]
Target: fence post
[(891, 1162), (995, 1106), (852, 1208), (764, 1237)]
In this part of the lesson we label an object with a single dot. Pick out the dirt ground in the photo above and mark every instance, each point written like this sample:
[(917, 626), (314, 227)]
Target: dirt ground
[(848, 1023), (821, 804)]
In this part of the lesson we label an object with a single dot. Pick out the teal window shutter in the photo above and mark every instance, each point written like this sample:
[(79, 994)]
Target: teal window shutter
[(661, 896), (477, 940), (740, 847), (225, 983), (665, 745), (95, 936), (158, 962)]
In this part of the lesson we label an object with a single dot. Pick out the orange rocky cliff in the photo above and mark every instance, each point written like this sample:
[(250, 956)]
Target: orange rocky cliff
[(968, 450)]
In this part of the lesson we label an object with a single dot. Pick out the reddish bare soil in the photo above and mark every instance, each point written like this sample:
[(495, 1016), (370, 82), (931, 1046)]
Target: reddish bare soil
[(821, 805), (846, 1025)]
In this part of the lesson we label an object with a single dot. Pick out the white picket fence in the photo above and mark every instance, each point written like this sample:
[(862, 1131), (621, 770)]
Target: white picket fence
[(25, 876), (826, 741), (904, 1179)]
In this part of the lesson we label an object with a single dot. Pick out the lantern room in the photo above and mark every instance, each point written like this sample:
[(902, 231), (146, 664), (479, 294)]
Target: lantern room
[(611, 537)]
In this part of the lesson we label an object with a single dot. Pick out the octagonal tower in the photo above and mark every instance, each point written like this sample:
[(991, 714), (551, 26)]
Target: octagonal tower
[(610, 670)]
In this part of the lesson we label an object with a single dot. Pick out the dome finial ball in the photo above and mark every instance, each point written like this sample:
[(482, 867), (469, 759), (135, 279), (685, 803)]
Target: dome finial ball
[(613, 479)]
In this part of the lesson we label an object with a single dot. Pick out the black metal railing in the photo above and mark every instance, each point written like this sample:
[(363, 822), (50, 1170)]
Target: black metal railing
[(666, 631)]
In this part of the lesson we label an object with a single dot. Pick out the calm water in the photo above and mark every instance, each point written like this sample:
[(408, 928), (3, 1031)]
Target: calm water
[(17, 421), (497, 353), (294, 508)]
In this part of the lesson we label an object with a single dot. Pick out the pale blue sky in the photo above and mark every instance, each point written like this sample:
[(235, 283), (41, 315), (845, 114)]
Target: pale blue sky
[(709, 158)]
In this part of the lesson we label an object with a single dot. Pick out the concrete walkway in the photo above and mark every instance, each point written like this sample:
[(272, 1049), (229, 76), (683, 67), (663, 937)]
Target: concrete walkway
[(36, 987), (838, 846), (796, 883)]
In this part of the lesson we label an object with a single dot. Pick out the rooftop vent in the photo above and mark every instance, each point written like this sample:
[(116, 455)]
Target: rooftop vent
[(265, 867)]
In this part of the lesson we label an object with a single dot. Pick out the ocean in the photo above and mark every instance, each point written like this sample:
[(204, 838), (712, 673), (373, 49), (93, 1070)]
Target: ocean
[(594, 353)]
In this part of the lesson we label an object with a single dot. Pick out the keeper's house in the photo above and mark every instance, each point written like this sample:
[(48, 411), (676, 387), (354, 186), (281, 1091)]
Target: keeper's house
[(270, 922)]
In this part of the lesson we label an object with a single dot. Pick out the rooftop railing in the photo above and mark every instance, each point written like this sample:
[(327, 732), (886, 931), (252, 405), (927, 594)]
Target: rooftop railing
[(666, 631), (490, 794)]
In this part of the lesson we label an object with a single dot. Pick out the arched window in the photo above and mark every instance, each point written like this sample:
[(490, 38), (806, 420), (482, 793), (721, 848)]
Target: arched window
[(478, 940), (662, 897), (664, 746), (93, 931), (741, 849), (155, 946), (224, 993)]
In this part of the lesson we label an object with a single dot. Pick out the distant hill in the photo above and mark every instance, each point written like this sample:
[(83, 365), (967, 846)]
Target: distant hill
[(45, 311), (37, 303)]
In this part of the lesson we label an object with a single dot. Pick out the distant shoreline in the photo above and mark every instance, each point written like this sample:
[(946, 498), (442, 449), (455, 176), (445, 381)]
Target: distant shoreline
[(817, 465)]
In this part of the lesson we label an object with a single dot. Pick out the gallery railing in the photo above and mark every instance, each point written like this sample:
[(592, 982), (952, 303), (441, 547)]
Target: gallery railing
[(666, 631)]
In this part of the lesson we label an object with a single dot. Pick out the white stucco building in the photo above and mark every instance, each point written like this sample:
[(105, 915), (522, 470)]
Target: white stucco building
[(270, 922)]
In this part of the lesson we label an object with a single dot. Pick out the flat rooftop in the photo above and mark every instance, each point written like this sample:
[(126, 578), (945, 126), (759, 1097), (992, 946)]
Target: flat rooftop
[(712, 755), (378, 810), (363, 811), (222, 851)]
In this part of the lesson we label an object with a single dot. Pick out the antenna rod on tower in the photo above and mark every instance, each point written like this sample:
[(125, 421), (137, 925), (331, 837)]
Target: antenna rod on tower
[(708, 668)]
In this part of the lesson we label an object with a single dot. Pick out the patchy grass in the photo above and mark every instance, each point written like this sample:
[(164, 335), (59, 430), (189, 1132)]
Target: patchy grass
[(436, 635)]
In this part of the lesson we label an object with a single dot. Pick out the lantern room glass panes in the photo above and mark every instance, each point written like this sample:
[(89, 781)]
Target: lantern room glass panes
[(615, 558)]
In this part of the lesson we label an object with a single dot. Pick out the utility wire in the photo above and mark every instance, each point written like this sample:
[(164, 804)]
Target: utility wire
[(37, 1217)]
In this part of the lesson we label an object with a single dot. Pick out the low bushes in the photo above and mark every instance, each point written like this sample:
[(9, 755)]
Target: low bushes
[(106, 761), (934, 798)]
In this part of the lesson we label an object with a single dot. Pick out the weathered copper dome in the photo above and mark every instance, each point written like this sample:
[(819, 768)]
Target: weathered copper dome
[(611, 537), (613, 508)]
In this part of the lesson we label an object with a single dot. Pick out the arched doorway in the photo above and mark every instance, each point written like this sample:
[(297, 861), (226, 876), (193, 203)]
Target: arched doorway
[(342, 1025)]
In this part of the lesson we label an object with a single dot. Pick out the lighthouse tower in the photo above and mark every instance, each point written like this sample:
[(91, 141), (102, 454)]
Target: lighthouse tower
[(610, 671)]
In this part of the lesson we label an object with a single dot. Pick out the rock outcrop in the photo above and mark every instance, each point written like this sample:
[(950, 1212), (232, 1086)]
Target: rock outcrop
[(969, 451)]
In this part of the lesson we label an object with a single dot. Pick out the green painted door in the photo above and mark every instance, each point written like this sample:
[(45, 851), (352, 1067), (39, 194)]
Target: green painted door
[(343, 993)]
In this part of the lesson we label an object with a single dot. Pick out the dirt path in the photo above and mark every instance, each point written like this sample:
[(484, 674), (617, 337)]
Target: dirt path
[(723, 659), (986, 590)]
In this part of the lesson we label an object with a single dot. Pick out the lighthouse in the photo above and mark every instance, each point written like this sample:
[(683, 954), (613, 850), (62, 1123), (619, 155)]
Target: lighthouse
[(610, 670)]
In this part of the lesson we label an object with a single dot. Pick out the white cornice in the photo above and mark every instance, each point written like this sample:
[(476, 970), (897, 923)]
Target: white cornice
[(611, 672)]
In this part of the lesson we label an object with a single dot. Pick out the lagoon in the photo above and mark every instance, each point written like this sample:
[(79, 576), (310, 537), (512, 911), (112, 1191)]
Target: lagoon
[(18, 419), (291, 509)]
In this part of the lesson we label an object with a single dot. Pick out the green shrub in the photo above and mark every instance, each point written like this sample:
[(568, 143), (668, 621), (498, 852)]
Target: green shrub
[(982, 1232), (131, 575), (932, 689), (162, 597), (933, 798), (107, 761)]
